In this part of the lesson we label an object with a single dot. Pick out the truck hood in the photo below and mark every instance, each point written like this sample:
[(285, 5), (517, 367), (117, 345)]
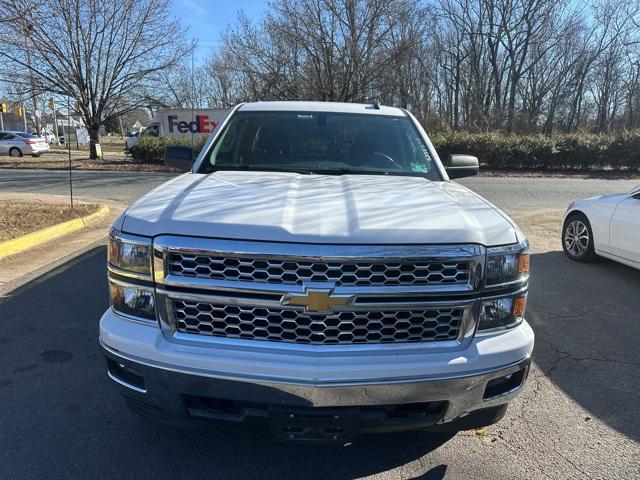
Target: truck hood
[(346, 209)]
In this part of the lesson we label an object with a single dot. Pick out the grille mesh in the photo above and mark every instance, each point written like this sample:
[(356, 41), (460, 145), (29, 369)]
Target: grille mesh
[(294, 272), (294, 326)]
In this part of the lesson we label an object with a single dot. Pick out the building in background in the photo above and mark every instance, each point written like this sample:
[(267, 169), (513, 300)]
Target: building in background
[(13, 122)]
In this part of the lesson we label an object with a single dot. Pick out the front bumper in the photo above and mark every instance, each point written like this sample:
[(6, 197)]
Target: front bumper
[(172, 372)]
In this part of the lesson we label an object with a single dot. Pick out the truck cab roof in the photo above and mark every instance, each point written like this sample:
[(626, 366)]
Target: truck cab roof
[(334, 107)]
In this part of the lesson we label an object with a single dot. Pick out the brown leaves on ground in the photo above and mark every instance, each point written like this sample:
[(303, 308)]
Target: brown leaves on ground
[(19, 218), (115, 165)]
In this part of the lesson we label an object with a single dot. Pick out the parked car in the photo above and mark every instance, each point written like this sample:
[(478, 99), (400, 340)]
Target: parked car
[(49, 136), (17, 144), (317, 271), (607, 226), (131, 141)]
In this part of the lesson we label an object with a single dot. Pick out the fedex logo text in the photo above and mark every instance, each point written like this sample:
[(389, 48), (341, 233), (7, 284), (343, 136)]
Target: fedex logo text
[(201, 124)]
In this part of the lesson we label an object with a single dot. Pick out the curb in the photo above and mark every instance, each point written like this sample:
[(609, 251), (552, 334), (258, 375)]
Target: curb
[(30, 240)]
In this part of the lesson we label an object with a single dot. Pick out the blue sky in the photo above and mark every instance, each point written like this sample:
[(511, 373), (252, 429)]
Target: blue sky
[(205, 20)]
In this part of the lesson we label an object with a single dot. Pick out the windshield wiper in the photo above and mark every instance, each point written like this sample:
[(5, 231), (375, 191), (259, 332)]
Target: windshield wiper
[(256, 168), (313, 171), (360, 171), (349, 171)]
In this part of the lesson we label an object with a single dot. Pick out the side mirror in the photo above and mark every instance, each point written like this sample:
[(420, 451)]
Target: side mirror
[(458, 166), (180, 157)]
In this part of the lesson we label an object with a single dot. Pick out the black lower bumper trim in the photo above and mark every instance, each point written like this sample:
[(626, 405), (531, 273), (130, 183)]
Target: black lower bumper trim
[(191, 401)]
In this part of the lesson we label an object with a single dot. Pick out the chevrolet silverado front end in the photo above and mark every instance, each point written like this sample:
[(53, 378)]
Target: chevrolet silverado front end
[(319, 274)]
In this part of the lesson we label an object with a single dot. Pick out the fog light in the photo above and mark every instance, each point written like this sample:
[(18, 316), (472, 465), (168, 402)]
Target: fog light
[(504, 385), (126, 376)]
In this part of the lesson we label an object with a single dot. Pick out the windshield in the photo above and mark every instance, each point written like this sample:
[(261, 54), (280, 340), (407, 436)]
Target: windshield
[(327, 143), (25, 135)]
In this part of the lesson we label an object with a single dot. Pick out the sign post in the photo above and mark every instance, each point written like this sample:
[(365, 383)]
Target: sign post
[(3, 109), (69, 150)]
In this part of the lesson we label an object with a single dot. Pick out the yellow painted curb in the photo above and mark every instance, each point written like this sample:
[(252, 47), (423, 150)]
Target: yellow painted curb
[(30, 240)]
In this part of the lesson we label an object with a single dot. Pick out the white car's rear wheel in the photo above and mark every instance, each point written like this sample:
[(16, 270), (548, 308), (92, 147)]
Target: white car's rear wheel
[(577, 238)]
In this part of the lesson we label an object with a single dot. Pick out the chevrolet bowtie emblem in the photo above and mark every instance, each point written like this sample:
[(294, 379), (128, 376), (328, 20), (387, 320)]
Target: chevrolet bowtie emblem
[(317, 300)]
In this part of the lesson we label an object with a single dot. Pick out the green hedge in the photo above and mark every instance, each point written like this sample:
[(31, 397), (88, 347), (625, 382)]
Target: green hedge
[(575, 151), (151, 149)]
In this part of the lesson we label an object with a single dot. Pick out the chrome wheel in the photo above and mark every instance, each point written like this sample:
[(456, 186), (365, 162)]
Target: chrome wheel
[(14, 152), (576, 238)]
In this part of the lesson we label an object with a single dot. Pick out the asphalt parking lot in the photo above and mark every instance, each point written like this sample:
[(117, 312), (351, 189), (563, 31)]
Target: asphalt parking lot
[(577, 418)]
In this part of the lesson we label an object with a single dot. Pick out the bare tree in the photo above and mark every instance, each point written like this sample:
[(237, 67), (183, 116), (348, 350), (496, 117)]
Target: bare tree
[(13, 10), (511, 65), (100, 54)]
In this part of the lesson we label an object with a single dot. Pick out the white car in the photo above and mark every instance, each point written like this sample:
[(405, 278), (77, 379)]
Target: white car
[(18, 144), (132, 139), (607, 226), (48, 136)]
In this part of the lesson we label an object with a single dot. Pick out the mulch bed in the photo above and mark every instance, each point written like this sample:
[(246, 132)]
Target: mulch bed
[(19, 218)]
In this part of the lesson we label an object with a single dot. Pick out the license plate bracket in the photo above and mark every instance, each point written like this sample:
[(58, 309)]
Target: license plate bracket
[(321, 426)]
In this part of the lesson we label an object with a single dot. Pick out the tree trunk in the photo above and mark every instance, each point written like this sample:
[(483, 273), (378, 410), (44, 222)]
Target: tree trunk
[(36, 117), (94, 138), (512, 103)]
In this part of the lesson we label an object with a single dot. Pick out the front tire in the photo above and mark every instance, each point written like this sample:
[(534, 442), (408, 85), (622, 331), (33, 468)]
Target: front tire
[(15, 152), (577, 238)]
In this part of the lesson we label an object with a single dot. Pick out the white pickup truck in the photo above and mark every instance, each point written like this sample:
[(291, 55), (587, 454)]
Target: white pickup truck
[(316, 272)]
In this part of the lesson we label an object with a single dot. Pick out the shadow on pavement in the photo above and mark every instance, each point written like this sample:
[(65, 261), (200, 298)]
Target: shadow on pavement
[(61, 418), (587, 323)]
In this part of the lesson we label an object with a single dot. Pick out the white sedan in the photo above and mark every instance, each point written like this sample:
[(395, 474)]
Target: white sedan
[(17, 144), (607, 226)]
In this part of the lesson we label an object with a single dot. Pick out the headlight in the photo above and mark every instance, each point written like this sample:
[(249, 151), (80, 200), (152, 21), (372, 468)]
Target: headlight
[(507, 264), (504, 312), (129, 259), (133, 300), (130, 253)]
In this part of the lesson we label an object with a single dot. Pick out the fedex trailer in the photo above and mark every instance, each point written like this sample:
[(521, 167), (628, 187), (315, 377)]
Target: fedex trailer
[(179, 122)]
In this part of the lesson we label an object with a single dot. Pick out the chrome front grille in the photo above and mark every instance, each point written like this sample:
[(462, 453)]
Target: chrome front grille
[(296, 326), (283, 295), (341, 273)]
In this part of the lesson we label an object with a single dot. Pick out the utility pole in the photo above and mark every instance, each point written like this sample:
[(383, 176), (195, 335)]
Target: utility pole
[(34, 98), (52, 106), (24, 118)]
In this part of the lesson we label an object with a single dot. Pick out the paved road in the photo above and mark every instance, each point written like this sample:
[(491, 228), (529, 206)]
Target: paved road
[(117, 186), (507, 193), (577, 418)]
